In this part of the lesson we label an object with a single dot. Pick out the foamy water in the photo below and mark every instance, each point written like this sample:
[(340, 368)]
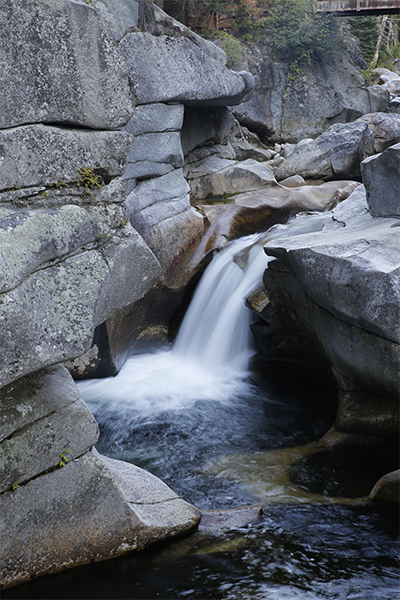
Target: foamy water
[(210, 358)]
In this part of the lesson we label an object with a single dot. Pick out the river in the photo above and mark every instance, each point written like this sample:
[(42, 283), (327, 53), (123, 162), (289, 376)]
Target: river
[(223, 435)]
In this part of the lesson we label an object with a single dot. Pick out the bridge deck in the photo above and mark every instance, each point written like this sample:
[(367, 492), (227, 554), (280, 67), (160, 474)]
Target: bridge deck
[(359, 7)]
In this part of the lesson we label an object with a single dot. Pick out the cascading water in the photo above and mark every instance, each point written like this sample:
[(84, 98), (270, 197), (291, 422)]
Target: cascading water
[(200, 389), (192, 414), (211, 354)]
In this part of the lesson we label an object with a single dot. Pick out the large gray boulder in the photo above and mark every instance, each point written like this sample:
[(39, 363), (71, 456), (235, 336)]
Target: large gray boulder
[(337, 153), (213, 177), (61, 503), (287, 108), (58, 64), (66, 269), (167, 69), (381, 175), (335, 295), (385, 127)]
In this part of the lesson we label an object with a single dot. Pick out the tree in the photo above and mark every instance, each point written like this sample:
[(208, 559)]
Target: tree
[(146, 18)]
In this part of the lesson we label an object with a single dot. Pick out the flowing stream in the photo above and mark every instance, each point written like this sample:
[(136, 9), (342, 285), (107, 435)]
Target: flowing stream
[(223, 437)]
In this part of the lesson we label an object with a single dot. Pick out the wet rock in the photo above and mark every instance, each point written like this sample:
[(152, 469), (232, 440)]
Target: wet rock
[(385, 128), (58, 64), (215, 520), (166, 69), (257, 211), (387, 489), (336, 153), (381, 175)]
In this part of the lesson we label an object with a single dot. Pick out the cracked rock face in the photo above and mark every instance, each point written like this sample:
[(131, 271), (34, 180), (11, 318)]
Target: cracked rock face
[(58, 64), (72, 268)]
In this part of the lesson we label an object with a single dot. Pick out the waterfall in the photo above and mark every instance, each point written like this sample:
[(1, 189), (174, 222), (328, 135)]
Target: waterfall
[(215, 331), (211, 354)]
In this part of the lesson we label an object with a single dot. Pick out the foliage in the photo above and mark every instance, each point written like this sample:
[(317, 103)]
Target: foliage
[(88, 178), (299, 34), (63, 458), (365, 29), (230, 45), (15, 485)]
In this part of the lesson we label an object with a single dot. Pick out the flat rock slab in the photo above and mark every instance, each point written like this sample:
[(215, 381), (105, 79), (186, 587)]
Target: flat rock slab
[(258, 210), (167, 69), (214, 176), (151, 499), (156, 118), (34, 155), (58, 64)]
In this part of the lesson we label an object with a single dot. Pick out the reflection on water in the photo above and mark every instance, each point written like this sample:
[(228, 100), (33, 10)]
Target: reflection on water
[(300, 552)]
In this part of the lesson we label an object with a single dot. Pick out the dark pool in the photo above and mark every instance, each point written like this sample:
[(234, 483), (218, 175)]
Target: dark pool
[(299, 549)]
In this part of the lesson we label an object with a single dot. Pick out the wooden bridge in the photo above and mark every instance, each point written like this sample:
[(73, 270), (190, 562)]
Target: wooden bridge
[(350, 8)]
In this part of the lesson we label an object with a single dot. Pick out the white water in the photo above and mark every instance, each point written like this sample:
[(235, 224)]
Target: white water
[(210, 357)]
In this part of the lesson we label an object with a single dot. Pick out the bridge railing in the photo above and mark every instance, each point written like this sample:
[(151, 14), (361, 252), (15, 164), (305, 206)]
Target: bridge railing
[(359, 6)]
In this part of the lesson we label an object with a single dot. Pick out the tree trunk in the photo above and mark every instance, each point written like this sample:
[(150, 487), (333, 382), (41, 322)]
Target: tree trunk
[(146, 18), (379, 42)]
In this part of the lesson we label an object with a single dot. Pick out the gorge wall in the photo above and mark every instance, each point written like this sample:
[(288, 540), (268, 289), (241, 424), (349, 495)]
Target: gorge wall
[(111, 139)]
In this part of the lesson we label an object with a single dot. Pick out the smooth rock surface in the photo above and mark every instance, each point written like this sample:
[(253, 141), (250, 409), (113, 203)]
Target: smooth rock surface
[(59, 65), (78, 513), (257, 211), (336, 153), (167, 69), (387, 489), (352, 271), (219, 177)]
